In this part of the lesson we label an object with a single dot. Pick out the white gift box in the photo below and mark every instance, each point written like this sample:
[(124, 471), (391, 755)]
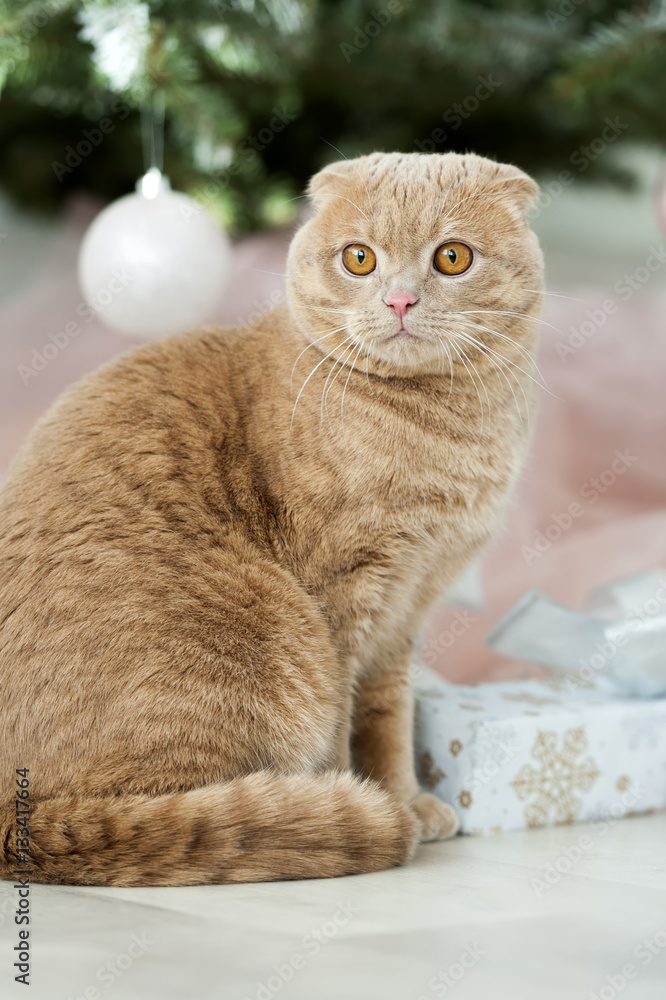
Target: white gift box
[(529, 753)]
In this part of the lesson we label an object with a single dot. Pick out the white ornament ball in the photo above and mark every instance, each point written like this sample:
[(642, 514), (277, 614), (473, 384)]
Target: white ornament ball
[(153, 266)]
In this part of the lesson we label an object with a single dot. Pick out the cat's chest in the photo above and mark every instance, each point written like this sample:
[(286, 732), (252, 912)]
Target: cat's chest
[(385, 548), (412, 499), (384, 575), (386, 536)]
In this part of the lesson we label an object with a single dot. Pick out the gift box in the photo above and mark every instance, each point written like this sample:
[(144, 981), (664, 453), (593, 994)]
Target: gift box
[(530, 753)]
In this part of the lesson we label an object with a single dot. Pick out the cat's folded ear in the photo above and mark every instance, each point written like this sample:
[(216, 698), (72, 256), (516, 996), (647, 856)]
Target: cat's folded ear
[(330, 180), (515, 185), (337, 177)]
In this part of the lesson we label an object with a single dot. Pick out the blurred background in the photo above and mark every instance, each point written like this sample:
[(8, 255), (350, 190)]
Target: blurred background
[(258, 95)]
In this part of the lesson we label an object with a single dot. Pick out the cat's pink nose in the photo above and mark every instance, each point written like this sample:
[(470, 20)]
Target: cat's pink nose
[(400, 301)]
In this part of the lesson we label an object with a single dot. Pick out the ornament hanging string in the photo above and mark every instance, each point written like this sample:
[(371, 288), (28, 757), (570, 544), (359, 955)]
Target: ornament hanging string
[(152, 137), (154, 262)]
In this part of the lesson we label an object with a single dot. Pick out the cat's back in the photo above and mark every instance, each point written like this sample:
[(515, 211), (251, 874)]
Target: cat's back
[(157, 402), (133, 449), (139, 393)]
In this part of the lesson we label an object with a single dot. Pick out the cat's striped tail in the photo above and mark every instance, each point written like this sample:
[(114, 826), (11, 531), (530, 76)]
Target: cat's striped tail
[(255, 828)]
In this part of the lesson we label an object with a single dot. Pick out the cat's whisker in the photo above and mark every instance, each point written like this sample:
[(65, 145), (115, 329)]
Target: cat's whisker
[(442, 348), (320, 363), (311, 343), (505, 371), (502, 372), (342, 361), (440, 352), (472, 379), (367, 376), (504, 361), (451, 367), (327, 309), (541, 385), (342, 401), (479, 344), (326, 392), (485, 390), (506, 312), (556, 295), (443, 199), (523, 350), (481, 194), (372, 207), (260, 270), (353, 203), (496, 333), (339, 151), (504, 375), (529, 357)]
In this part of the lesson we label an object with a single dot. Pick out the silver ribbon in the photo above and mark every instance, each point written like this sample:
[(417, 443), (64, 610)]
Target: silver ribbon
[(621, 635)]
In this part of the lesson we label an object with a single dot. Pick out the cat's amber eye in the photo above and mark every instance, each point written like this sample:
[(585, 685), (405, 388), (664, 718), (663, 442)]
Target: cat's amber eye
[(453, 257), (359, 259)]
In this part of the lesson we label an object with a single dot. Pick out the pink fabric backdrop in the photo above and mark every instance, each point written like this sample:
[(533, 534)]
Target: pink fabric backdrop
[(608, 396)]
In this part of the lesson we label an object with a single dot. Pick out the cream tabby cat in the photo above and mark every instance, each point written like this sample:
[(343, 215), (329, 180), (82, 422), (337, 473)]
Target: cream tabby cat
[(217, 552)]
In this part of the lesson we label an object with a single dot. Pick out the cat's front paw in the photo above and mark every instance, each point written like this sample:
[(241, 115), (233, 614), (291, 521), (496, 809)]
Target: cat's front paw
[(438, 820)]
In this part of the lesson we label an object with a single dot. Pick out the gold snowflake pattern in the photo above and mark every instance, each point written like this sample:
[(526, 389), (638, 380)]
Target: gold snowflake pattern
[(561, 771), (465, 799), (431, 775), (530, 699), (455, 746)]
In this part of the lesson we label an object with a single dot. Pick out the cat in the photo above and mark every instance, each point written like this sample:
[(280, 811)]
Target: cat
[(217, 551)]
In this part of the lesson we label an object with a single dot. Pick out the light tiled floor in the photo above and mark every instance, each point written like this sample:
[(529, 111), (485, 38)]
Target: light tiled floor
[(390, 936)]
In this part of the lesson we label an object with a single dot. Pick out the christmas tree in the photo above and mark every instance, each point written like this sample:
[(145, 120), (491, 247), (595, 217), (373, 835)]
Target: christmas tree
[(256, 92)]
